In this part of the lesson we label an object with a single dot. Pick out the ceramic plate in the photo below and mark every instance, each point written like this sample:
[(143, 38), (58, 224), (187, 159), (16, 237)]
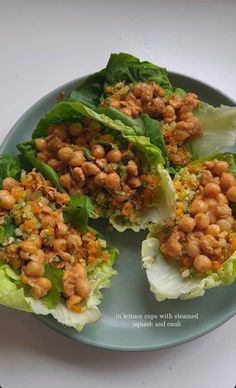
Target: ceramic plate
[(131, 318)]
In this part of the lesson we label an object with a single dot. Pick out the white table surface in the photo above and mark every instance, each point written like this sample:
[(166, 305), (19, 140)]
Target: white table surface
[(46, 43)]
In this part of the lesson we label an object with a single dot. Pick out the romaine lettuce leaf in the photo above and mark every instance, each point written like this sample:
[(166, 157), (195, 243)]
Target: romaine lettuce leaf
[(219, 130), (28, 151), (89, 91), (10, 166)]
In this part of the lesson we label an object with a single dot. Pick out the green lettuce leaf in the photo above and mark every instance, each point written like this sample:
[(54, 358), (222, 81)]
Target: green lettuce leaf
[(143, 126), (28, 151), (11, 293), (219, 125), (125, 67), (53, 296), (78, 211), (90, 90), (10, 166)]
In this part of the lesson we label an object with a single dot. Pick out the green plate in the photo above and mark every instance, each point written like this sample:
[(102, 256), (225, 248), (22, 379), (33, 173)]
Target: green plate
[(131, 318)]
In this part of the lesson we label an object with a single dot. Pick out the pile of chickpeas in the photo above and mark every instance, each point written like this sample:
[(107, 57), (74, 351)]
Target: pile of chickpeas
[(201, 239), (176, 113), (89, 161), (43, 237)]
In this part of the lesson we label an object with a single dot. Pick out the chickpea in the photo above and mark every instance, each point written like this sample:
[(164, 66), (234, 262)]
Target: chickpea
[(28, 246), (231, 194), (90, 168), (192, 248), (60, 244), (224, 225), (65, 153), (41, 288), (211, 216), (112, 181), (34, 269), (77, 159), (74, 241), (8, 183), (187, 224), (175, 101), (73, 303), (80, 271), (38, 256), (114, 156), (65, 256), (209, 164), (207, 243), (206, 177), (198, 206), (99, 179), (222, 211), (98, 151), (40, 144), (65, 180), (7, 201), (82, 287), (173, 248), (221, 198), (202, 263), (211, 189), (132, 168), (134, 182), (202, 221), (75, 129), (180, 136), (220, 167), (61, 229), (78, 174), (213, 229), (227, 180), (168, 111), (211, 203)]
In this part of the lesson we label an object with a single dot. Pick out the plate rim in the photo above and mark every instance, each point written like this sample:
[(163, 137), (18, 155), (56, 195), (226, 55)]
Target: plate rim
[(60, 328)]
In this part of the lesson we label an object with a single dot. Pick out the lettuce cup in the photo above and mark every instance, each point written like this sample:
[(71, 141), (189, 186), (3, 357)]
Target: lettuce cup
[(186, 129), (198, 251), (92, 154), (49, 265)]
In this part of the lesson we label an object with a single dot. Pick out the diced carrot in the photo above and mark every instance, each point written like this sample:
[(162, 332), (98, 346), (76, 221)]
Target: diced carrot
[(36, 208)]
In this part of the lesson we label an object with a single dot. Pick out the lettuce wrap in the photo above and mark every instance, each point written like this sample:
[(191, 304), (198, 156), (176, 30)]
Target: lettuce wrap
[(218, 125), (22, 223), (164, 275), (148, 156)]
